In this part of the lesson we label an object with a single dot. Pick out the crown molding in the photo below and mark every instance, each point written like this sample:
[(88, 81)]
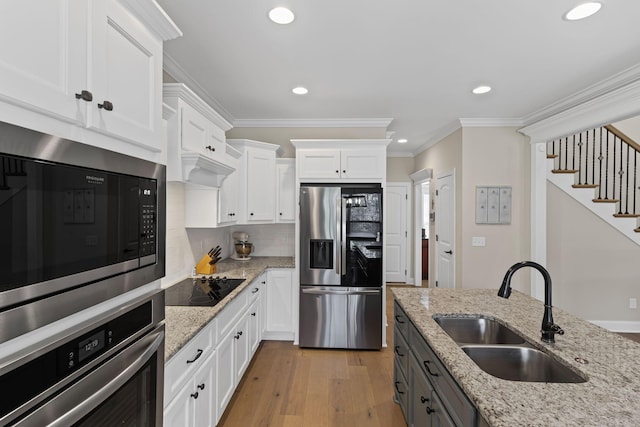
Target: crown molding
[(312, 123), (154, 17), (491, 122), (613, 106), (183, 92), (399, 154), (621, 79), (177, 72)]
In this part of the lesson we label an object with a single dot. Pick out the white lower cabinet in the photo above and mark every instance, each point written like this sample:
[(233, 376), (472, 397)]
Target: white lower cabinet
[(194, 404), (279, 312), (201, 378)]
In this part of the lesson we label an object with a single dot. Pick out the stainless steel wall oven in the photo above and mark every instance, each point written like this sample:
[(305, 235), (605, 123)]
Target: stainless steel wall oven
[(108, 372), (73, 217)]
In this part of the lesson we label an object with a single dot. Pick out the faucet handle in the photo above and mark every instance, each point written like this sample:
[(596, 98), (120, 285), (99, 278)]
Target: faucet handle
[(557, 329)]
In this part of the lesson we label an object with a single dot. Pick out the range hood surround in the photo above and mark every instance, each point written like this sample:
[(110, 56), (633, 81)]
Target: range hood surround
[(201, 170)]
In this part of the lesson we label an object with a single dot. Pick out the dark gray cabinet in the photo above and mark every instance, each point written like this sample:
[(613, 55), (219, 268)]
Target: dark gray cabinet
[(430, 397)]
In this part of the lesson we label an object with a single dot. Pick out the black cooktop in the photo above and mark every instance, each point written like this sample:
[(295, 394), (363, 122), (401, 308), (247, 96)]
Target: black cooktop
[(203, 292)]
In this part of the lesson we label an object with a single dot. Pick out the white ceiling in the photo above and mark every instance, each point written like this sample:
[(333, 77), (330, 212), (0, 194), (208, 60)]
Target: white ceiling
[(413, 61)]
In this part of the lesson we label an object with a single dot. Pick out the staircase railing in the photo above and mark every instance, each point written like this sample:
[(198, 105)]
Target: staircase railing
[(605, 159)]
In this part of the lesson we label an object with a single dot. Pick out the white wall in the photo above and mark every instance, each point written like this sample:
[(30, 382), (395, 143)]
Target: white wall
[(269, 239)]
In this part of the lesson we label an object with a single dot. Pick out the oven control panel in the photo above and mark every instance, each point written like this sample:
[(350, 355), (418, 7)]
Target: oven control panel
[(148, 217)]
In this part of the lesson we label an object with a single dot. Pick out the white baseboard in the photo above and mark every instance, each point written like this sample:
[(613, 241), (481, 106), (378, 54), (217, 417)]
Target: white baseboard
[(630, 326), (277, 336)]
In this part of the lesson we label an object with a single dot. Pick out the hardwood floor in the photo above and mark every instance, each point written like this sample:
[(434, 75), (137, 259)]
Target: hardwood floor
[(289, 386)]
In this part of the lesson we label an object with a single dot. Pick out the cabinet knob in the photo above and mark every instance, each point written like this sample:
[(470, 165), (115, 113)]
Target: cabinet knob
[(423, 399), (107, 105), (210, 148), (253, 314), (430, 411), (194, 395), (85, 95), (237, 337), (280, 213), (201, 387), (337, 171), (344, 171), (251, 214)]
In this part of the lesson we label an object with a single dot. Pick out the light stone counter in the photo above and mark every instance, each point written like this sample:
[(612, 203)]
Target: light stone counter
[(610, 397), (183, 323)]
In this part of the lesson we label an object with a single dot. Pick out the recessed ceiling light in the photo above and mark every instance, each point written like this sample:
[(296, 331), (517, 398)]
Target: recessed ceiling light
[(481, 89), (281, 15), (403, 141), (300, 90), (583, 10)]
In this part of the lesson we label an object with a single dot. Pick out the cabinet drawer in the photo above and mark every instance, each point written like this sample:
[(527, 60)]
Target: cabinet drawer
[(456, 403), (227, 317), (401, 351), (401, 320), (183, 364)]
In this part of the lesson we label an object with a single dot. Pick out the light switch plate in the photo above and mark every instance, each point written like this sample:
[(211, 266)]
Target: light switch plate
[(478, 241)]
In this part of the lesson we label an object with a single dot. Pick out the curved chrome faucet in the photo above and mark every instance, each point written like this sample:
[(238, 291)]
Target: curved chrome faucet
[(549, 329)]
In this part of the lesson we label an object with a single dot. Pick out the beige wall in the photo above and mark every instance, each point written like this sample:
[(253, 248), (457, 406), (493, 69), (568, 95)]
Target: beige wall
[(593, 266), (630, 127), (399, 169), (495, 157), (282, 136)]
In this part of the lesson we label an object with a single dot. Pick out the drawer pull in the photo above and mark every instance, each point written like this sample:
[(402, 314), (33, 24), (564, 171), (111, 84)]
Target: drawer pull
[(423, 399), (194, 395), (397, 389), (426, 365), (196, 358), (397, 350), (255, 290), (398, 317)]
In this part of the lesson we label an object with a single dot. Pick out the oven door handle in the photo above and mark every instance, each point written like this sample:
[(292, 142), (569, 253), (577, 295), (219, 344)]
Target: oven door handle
[(64, 407)]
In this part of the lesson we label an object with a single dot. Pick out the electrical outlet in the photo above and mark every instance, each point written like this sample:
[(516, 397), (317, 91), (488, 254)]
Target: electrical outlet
[(478, 241), (633, 303)]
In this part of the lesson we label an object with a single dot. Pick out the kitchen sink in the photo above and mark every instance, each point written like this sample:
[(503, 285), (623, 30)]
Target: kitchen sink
[(517, 363), (477, 330)]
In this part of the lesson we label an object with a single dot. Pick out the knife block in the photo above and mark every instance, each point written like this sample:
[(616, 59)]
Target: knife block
[(203, 266)]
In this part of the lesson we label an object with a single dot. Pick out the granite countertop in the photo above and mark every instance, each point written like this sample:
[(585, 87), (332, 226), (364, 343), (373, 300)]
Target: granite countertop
[(183, 323), (609, 398)]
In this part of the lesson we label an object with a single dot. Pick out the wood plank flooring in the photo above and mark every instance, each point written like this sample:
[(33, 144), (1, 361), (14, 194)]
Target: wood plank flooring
[(289, 386)]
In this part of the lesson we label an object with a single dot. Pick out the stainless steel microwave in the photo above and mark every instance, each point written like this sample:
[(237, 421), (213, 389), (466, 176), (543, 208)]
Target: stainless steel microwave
[(73, 216)]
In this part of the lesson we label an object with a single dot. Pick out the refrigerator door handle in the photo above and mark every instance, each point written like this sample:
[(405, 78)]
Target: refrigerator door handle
[(338, 237), (343, 235), (324, 291)]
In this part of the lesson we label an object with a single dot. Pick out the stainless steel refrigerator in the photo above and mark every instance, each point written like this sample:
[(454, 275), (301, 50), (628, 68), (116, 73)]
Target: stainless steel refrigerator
[(341, 266)]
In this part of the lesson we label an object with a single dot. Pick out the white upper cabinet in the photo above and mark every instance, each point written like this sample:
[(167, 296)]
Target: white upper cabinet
[(355, 160), (94, 64), (44, 56), (285, 188), (229, 192), (257, 181), (196, 151)]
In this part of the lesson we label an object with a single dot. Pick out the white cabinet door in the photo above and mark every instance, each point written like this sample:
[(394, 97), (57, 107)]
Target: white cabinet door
[(225, 373), (254, 326), (286, 184), (362, 164), (43, 61), (194, 130), (125, 74), (261, 185), (279, 301), (203, 394), (228, 200), (241, 352), (179, 412), (318, 164)]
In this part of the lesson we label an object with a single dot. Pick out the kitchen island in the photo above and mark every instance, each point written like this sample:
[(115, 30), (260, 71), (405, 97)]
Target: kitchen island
[(183, 323), (609, 396)]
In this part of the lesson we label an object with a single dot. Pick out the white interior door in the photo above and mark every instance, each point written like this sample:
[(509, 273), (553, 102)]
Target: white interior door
[(395, 237), (445, 231)]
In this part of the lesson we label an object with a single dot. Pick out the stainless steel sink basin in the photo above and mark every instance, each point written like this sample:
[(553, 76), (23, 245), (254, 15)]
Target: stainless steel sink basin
[(517, 363), (477, 330)]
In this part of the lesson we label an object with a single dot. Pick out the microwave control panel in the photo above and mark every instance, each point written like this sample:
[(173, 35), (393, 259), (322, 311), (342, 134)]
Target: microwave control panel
[(148, 217)]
